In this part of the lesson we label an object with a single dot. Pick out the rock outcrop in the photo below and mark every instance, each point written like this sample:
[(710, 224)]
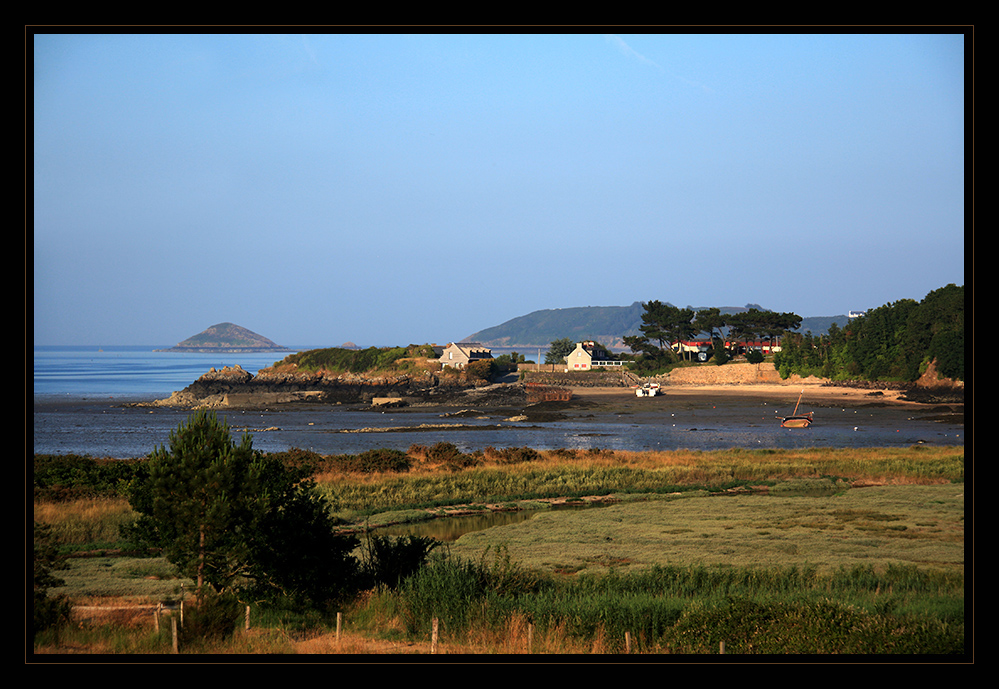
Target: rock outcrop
[(227, 337), (235, 387)]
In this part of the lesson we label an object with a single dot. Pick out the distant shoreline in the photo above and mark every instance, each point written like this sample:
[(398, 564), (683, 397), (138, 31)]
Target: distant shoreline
[(225, 350)]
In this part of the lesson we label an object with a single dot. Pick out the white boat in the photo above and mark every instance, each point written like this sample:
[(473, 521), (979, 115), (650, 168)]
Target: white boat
[(648, 390)]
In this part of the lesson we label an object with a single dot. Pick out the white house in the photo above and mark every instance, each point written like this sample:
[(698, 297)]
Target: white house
[(586, 356)]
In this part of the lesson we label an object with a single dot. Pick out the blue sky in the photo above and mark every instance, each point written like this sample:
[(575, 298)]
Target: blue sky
[(394, 189)]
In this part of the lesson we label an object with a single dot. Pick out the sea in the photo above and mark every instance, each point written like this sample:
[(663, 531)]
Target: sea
[(84, 403)]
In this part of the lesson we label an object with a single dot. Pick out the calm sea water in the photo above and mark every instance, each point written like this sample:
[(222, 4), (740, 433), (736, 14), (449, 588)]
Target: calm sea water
[(132, 372), (79, 396)]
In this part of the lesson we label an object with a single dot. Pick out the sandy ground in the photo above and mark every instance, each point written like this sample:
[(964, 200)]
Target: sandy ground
[(812, 393)]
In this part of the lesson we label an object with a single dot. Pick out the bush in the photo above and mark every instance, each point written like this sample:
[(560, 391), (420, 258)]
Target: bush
[(349, 360), (212, 618), (48, 612), (754, 356), (511, 455), (307, 461), (482, 369), (373, 461), (68, 477), (390, 561), (450, 457), (719, 354)]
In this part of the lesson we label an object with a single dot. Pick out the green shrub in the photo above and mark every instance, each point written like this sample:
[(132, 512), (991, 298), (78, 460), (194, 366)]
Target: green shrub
[(214, 617), (821, 626), (373, 461), (482, 369), (719, 355), (389, 561), (306, 460), (67, 477), (512, 455), (338, 359), (48, 612), (450, 456)]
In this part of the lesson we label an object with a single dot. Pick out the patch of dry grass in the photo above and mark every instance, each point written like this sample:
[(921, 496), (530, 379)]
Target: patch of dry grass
[(85, 520)]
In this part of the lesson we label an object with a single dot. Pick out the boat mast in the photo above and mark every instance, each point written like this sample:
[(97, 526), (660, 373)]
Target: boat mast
[(799, 402)]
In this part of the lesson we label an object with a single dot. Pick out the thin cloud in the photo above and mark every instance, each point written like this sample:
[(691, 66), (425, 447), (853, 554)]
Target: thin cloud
[(633, 54), (307, 46), (630, 52)]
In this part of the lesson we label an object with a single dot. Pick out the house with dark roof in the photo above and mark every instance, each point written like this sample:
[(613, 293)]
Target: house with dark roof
[(461, 354), (587, 355)]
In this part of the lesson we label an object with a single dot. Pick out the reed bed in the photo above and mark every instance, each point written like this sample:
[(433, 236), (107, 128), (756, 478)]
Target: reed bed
[(689, 610)]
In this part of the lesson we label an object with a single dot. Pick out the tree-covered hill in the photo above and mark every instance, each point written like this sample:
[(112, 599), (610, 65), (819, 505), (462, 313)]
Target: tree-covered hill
[(604, 324), (896, 341), (608, 325)]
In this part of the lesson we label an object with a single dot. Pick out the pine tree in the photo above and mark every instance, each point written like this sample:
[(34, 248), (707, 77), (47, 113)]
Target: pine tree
[(229, 517), (196, 503)]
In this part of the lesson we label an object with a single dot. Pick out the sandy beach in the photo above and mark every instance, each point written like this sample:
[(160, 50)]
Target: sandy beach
[(815, 394)]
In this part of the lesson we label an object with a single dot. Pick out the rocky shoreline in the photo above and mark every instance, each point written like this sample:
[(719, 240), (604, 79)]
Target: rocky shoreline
[(234, 387)]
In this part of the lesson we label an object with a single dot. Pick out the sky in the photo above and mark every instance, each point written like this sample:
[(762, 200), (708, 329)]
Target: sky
[(388, 189)]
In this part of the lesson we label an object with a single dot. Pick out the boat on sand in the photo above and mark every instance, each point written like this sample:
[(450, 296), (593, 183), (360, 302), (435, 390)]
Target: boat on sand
[(797, 420), (648, 390)]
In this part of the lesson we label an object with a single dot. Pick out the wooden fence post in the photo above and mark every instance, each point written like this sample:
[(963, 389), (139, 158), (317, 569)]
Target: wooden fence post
[(627, 642), (173, 624), (339, 620), (433, 637), (246, 624), (721, 647)]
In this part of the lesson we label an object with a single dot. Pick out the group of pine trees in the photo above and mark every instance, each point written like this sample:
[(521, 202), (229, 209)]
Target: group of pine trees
[(893, 342), (664, 327)]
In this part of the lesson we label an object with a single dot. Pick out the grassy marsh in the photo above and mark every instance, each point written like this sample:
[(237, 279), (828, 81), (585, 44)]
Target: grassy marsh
[(878, 526), (563, 473), (868, 540)]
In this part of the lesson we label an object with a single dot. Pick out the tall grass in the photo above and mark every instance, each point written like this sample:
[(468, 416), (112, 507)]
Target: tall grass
[(693, 609), (91, 522)]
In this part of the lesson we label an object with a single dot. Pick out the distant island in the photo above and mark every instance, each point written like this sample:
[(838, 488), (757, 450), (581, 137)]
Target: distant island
[(226, 337)]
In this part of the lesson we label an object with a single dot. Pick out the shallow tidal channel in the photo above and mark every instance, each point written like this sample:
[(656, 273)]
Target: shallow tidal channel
[(449, 529)]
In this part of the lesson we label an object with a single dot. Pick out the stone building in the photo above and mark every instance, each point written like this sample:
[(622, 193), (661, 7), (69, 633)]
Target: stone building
[(461, 354)]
